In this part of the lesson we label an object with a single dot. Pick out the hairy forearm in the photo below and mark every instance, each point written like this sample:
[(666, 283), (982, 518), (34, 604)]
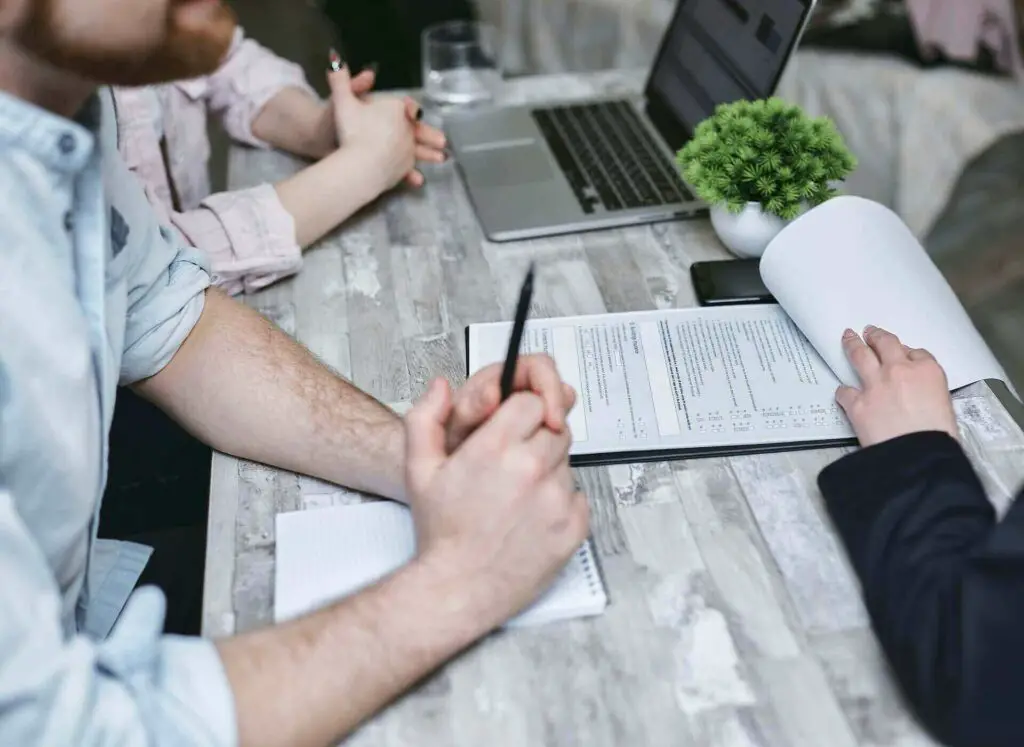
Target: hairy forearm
[(314, 680), (297, 122), (326, 193), (244, 387)]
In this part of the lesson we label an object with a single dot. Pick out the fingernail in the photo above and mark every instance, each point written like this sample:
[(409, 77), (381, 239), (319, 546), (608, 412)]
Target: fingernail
[(419, 114), (848, 333), (372, 67), (335, 59), (869, 329)]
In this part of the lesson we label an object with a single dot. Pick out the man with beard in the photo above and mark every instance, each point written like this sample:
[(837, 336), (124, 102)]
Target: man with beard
[(94, 292)]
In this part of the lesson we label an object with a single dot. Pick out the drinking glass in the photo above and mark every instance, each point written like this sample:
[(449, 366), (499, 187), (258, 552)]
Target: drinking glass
[(460, 63)]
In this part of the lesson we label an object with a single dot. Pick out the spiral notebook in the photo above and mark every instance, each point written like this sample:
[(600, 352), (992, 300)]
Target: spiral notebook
[(324, 555)]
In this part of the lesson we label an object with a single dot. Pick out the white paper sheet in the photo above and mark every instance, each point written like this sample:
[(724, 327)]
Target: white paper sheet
[(851, 262), (681, 378), (324, 555)]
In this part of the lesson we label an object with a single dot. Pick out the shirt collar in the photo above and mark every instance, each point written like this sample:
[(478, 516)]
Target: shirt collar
[(59, 143)]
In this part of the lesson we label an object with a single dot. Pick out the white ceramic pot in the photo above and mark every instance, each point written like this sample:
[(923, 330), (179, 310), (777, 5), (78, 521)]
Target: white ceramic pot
[(748, 233)]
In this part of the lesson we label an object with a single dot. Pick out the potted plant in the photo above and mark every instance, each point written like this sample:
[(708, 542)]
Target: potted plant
[(760, 164)]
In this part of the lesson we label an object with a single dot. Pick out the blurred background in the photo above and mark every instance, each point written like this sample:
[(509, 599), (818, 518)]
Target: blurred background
[(929, 95)]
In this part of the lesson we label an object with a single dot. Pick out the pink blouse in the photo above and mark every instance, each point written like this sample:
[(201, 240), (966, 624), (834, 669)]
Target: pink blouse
[(961, 28), (247, 234)]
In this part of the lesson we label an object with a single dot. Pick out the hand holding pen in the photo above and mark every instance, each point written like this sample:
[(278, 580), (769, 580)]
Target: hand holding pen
[(481, 396)]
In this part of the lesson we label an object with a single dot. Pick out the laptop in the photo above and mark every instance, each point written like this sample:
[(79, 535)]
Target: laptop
[(541, 170)]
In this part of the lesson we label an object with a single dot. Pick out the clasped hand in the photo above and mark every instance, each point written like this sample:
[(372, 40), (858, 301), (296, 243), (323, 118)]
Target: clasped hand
[(492, 494), (387, 129)]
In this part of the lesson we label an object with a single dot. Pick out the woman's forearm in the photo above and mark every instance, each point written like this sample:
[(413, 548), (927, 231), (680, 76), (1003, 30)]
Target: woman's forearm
[(325, 194), (297, 122)]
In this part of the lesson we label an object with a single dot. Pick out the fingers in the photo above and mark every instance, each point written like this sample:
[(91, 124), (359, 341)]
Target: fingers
[(846, 396), (475, 402), (569, 397), (363, 83), (415, 179), (431, 155), (338, 76), (478, 399), (920, 355), (548, 450), (413, 110), (515, 420), (862, 358), (425, 433), (430, 136), (538, 374), (886, 345)]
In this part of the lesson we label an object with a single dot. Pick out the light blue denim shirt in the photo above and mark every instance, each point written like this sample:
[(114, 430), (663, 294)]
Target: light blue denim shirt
[(93, 292)]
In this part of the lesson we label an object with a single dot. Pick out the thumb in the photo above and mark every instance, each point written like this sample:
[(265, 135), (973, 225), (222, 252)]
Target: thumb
[(846, 396), (425, 433), (340, 80)]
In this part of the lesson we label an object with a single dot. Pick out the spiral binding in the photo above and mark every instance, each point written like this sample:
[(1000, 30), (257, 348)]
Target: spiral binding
[(587, 562)]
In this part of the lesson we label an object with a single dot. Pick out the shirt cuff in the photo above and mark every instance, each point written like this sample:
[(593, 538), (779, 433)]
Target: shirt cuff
[(261, 239), (178, 684), (194, 673)]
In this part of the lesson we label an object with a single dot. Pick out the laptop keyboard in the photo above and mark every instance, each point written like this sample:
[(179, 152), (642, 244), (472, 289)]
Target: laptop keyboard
[(609, 157)]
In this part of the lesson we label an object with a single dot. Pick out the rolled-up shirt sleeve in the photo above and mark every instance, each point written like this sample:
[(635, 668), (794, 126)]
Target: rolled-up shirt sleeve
[(246, 80), (165, 301), (166, 279), (135, 688), (248, 236)]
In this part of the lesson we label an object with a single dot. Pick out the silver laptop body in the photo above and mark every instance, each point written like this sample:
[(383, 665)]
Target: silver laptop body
[(554, 168)]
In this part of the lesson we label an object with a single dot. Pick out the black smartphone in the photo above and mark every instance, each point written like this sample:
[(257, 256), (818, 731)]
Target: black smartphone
[(729, 281)]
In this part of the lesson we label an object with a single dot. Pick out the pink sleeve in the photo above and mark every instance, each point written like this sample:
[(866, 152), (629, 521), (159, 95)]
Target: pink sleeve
[(248, 236), (248, 78)]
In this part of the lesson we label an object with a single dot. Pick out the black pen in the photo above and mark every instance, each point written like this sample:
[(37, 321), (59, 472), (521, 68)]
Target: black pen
[(508, 373)]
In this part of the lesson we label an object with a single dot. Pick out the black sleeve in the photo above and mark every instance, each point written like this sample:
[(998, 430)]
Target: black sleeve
[(943, 582)]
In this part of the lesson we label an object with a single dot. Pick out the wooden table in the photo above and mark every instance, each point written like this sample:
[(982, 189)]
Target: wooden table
[(735, 618)]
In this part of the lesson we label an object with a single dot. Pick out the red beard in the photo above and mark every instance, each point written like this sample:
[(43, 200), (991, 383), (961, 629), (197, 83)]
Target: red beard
[(188, 49)]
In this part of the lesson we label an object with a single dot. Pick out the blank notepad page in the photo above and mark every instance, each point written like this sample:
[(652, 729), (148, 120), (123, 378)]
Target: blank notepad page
[(326, 554)]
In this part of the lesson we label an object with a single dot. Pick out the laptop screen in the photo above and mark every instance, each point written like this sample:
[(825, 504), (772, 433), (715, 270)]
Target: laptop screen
[(717, 51)]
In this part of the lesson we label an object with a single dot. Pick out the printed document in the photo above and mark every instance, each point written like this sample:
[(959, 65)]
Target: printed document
[(685, 378), (742, 376)]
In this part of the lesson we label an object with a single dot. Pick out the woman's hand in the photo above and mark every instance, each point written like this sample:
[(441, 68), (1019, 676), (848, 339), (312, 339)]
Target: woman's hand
[(903, 390), (387, 128), (326, 137)]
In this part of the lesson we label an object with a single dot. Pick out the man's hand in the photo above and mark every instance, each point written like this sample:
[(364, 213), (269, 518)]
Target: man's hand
[(904, 390), (502, 511), (386, 127), (478, 399)]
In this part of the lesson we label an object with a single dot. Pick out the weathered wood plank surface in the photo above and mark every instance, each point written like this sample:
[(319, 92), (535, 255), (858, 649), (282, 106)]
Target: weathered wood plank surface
[(735, 618)]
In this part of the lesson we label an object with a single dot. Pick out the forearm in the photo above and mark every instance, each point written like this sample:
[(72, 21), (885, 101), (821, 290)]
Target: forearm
[(244, 387), (314, 680), (326, 193), (297, 122), (942, 582)]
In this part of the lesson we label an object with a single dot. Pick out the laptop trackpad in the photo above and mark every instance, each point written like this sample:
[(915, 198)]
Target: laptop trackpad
[(507, 167)]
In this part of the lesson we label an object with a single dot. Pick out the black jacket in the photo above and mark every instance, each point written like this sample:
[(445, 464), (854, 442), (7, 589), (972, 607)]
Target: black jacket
[(943, 582)]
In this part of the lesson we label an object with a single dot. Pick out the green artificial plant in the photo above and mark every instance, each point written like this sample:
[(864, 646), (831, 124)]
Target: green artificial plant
[(766, 151)]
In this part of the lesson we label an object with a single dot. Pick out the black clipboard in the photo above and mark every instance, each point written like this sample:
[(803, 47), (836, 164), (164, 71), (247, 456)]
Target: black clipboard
[(698, 452)]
